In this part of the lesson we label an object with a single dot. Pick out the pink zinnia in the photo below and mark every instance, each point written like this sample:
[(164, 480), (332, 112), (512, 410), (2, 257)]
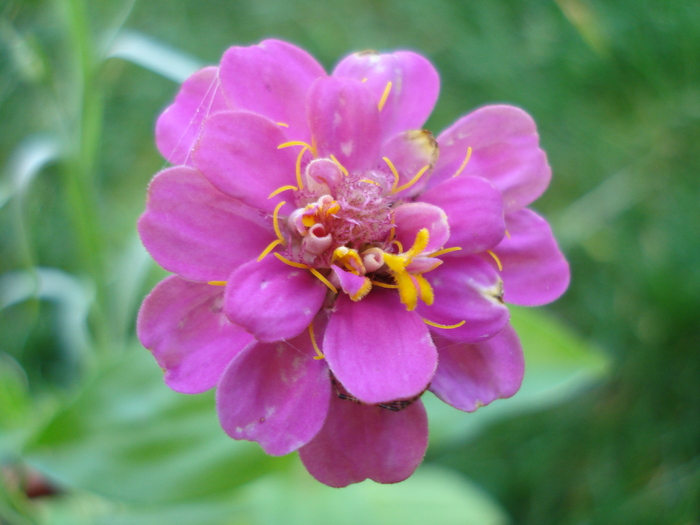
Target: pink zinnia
[(332, 264)]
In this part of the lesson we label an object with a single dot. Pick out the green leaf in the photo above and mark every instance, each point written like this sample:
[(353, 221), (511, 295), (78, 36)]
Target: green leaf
[(128, 437), (558, 364)]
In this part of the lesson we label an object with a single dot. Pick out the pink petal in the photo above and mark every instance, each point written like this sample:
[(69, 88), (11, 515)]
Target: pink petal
[(412, 217), (409, 152), (238, 153), (344, 121), (474, 209), (272, 79), (470, 376), (466, 289), (353, 285), (414, 91), (179, 126), (505, 150), (194, 230), (184, 326), (275, 394), (535, 271), (378, 350), (271, 300), (360, 441)]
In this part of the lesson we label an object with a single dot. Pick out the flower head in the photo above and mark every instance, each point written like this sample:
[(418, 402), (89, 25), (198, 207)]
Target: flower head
[(334, 260)]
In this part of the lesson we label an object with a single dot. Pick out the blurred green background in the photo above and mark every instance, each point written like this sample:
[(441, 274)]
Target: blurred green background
[(607, 426)]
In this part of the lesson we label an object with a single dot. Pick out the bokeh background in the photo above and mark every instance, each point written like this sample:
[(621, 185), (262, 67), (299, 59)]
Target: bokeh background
[(607, 426)]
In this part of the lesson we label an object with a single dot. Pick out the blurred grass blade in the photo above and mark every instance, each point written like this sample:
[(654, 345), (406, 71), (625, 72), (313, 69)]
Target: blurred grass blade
[(30, 157), (153, 55)]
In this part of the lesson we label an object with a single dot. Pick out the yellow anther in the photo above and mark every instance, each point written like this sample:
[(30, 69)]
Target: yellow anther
[(464, 163), (308, 220), (411, 182), (364, 290), (321, 278), (495, 258), (446, 250), (333, 208), (283, 124), (395, 173), (426, 291), (370, 181), (275, 221), (385, 95), (445, 326), (280, 190), (349, 258), (292, 263), (217, 283), (294, 143), (269, 248), (312, 336), (385, 285), (340, 166), (298, 167)]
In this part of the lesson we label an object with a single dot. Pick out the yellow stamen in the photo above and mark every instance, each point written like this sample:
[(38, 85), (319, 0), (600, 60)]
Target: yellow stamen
[(217, 283), (393, 170), (349, 258), (426, 291), (412, 181), (385, 285), (294, 143), (364, 290), (280, 190), (275, 221), (269, 248), (321, 278), (337, 163), (495, 258), (298, 167), (464, 163), (333, 208), (283, 124), (398, 245), (385, 95), (292, 263), (444, 251), (319, 354), (370, 181), (364, 79), (507, 234), (445, 326)]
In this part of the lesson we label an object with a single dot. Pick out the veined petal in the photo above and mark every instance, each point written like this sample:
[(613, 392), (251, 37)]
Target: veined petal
[(238, 153), (377, 349), (470, 376), (271, 300), (414, 89), (409, 152), (358, 442), (272, 79), (466, 289), (192, 229), (179, 126), (505, 150), (475, 212), (275, 394), (344, 122), (412, 217), (535, 271), (183, 324)]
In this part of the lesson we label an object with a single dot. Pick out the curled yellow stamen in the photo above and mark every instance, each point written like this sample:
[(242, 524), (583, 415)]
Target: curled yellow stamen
[(269, 248), (283, 124), (340, 166), (446, 250), (275, 221), (495, 258), (312, 336), (385, 285), (292, 263), (217, 283), (280, 190), (385, 95), (412, 181), (445, 326), (294, 143), (298, 167), (370, 181), (398, 245), (393, 170), (465, 162), (321, 278)]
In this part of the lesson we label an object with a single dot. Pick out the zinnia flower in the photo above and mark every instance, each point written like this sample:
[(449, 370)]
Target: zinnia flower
[(333, 260)]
